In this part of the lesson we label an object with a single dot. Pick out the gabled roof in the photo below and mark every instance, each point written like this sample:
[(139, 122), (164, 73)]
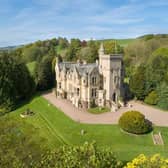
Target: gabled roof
[(82, 69)]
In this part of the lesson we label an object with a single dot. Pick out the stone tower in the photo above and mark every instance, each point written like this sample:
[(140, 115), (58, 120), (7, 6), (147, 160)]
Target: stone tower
[(111, 68)]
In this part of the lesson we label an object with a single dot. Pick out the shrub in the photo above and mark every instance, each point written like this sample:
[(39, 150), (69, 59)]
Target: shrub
[(44, 75), (152, 98), (162, 91), (135, 122), (86, 155), (144, 162)]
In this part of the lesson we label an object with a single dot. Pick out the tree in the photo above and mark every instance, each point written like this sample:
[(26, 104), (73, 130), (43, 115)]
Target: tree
[(18, 148), (112, 47), (73, 50), (31, 53), (44, 74), (157, 70), (137, 82), (16, 82), (63, 42), (89, 54), (75, 43), (71, 54), (152, 98), (162, 91)]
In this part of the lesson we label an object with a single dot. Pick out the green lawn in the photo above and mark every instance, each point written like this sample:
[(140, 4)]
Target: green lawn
[(98, 110), (59, 129), (125, 42), (121, 42)]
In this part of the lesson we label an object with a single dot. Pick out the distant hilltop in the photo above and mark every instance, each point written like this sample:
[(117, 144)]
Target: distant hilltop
[(121, 42), (10, 47)]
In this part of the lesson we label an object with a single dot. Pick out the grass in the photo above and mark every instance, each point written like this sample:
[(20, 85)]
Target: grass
[(31, 66), (121, 42), (155, 106), (125, 42), (58, 129), (98, 110)]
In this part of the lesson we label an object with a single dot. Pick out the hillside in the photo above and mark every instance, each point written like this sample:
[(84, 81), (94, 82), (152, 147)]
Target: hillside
[(121, 42)]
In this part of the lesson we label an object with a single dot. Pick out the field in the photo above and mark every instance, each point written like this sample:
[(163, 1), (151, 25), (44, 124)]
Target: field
[(122, 42), (59, 129)]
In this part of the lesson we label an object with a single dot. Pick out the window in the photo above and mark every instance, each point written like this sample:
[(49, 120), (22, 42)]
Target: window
[(93, 92), (59, 85), (93, 80), (78, 91)]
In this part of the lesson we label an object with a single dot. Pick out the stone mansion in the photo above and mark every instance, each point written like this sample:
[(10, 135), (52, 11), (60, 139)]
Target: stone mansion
[(84, 84)]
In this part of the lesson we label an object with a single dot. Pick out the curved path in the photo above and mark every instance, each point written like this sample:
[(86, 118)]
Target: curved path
[(157, 116)]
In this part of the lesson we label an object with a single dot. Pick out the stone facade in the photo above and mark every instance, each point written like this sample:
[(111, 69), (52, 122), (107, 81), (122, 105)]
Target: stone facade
[(85, 84)]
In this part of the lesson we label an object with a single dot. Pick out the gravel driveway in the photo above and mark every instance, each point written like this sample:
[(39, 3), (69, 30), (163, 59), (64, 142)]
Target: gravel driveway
[(157, 116)]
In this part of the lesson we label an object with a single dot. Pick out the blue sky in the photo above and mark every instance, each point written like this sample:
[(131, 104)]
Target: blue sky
[(24, 21)]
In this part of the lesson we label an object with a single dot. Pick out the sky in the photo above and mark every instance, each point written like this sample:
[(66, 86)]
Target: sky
[(25, 21)]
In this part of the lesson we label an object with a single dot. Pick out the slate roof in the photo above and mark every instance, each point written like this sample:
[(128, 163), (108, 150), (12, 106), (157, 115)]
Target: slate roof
[(82, 69)]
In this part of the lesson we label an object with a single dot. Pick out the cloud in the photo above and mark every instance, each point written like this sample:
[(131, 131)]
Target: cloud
[(41, 19)]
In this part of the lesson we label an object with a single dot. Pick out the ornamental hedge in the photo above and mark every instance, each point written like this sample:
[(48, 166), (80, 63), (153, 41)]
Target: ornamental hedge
[(135, 122)]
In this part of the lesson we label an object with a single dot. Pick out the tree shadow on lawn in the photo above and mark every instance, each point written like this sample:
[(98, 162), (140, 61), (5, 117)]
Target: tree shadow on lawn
[(27, 101)]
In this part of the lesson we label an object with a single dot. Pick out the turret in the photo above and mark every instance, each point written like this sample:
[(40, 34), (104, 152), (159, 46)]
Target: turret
[(110, 67)]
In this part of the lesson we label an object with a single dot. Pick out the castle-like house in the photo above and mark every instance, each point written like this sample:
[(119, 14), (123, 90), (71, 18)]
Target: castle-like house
[(85, 84)]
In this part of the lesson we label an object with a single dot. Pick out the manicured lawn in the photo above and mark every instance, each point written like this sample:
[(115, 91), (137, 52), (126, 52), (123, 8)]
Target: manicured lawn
[(59, 129), (98, 110)]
